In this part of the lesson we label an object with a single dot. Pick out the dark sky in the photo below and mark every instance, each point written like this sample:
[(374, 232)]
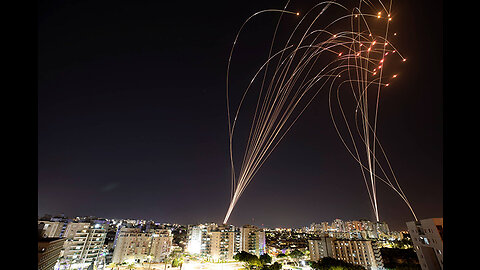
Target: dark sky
[(132, 118)]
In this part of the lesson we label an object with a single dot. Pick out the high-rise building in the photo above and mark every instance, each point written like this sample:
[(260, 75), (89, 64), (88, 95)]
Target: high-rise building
[(83, 244), (198, 239), (320, 248), (252, 240), (224, 242), (194, 240), (361, 252), (133, 244), (214, 242), (49, 252), (427, 238)]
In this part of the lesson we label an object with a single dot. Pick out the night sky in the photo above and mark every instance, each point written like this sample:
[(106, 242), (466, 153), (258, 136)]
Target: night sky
[(132, 118)]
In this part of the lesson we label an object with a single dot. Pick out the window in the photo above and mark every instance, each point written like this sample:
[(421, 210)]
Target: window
[(424, 240), (440, 231)]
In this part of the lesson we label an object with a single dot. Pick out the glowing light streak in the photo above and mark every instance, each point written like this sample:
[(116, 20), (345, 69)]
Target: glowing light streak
[(299, 75)]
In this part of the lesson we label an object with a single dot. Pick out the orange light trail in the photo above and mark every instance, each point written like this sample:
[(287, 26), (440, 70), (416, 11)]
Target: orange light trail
[(292, 76)]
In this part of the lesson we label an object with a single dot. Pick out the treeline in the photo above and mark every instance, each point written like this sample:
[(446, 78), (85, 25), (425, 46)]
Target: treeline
[(263, 262)]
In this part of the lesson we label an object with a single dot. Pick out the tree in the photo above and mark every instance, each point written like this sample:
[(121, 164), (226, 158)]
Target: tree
[(275, 266), (296, 255), (265, 259), (281, 255), (252, 261), (243, 256)]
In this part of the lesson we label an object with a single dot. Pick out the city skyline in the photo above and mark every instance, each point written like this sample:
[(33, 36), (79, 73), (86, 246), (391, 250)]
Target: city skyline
[(132, 119)]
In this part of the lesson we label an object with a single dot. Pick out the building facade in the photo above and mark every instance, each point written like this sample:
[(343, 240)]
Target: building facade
[(83, 244), (199, 239), (52, 229), (224, 242), (49, 252), (361, 252), (214, 242), (133, 244), (320, 248), (252, 240), (427, 238)]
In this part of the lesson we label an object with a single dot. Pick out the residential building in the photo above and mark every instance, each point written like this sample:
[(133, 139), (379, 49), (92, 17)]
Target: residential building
[(52, 229), (214, 242), (427, 238), (133, 244), (320, 248), (194, 239), (83, 244), (49, 252), (252, 240), (224, 242), (361, 252), (198, 239)]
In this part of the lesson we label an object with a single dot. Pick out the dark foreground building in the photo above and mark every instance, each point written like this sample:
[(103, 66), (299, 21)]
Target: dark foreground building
[(48, 252), (427, 238)]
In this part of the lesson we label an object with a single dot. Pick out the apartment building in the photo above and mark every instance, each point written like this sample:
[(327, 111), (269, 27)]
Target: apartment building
[(133, 244), (224, 242), (52, 229), (252, 240), (361, 252), (83, 244), (214, 242), (427, 238), (49, 252)]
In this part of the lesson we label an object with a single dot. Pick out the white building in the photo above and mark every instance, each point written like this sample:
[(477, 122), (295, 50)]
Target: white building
[(214, 242), (224, 242), (427, 238), (198, 239), (83, 244), (252, 240), (360, 252), (133, 244)]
